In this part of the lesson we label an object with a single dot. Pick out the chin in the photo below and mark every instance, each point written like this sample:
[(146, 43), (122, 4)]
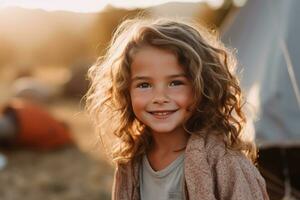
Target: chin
[(162, 129)]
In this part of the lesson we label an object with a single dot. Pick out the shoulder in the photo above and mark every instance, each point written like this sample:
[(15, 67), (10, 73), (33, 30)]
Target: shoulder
[(213, 147), (234, 175), (211, 151)]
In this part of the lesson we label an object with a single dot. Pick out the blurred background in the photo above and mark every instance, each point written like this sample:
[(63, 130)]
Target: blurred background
[(48, 148)]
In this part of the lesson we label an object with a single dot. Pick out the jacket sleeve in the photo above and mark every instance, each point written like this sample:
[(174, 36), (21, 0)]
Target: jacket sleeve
[(237, 178), (124, 187), (120, 186), (116, 184)]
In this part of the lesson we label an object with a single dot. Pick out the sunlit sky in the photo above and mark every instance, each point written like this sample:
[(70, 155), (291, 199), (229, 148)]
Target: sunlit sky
[(91, 5)]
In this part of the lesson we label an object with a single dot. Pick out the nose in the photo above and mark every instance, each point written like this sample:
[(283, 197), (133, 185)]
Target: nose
[(160, 96)]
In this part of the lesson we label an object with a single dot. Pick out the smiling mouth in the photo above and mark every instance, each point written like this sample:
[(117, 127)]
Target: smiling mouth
[(162, 114)]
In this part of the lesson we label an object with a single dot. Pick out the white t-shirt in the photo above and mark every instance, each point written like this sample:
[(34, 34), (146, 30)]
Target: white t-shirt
[(165, 184)]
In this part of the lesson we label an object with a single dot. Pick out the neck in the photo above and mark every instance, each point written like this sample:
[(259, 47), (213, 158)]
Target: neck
[(170, 142)]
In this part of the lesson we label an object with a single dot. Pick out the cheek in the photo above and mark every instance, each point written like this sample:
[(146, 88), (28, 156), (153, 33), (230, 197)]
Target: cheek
[(138, 102), (184, 98)]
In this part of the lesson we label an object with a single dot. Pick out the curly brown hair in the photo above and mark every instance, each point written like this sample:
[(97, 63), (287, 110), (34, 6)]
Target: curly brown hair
[(218, 99)]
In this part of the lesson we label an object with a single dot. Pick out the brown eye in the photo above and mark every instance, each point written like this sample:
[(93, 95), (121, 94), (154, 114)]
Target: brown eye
[(143, 85), (176, 83)]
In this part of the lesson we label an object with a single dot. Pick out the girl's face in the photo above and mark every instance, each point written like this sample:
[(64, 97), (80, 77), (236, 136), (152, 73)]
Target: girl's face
[(161, 94)]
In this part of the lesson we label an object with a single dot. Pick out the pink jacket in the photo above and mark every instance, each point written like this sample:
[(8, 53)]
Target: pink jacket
[(210, 173)]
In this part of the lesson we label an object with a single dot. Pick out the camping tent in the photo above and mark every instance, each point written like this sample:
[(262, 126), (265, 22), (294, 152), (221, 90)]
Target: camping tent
[(266, 36)]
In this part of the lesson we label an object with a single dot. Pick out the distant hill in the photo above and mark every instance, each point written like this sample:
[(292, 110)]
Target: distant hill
[(41, 36), (38, 37)]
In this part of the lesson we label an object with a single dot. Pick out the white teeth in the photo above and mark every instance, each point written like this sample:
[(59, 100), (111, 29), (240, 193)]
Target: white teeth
[(161, 113)]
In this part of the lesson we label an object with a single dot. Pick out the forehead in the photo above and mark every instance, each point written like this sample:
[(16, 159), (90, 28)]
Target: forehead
[(155, 61)]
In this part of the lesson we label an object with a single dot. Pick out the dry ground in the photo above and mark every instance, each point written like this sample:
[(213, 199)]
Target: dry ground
[(74, 173)]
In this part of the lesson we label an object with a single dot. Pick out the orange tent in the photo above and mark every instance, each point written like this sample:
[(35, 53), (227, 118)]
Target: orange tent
[(36, 128)]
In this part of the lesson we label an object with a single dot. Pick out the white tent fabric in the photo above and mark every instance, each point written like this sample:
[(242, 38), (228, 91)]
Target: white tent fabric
[(266, 35)]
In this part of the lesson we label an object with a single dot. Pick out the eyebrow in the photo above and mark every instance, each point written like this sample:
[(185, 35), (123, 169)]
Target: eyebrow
[(136, 78)]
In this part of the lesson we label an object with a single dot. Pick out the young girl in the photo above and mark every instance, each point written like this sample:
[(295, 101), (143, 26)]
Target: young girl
[(166, 91)]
